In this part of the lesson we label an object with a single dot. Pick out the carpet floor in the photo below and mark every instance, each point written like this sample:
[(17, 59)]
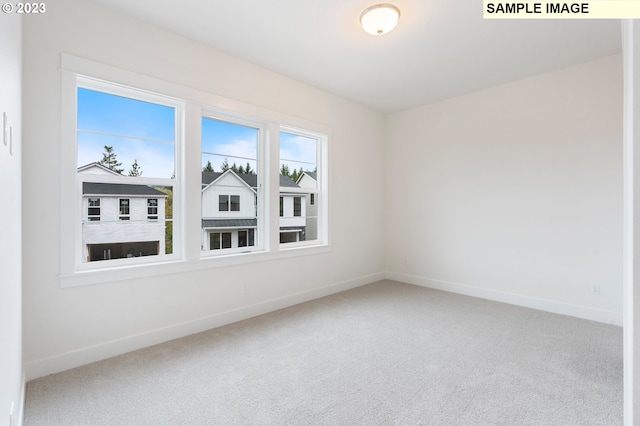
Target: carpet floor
[(382, 354)]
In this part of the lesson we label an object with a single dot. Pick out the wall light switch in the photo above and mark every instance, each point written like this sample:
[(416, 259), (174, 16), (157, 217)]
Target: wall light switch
[(5, 128)]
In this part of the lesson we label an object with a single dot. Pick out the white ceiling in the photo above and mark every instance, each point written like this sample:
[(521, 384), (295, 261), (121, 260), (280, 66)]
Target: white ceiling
[(440, 49)]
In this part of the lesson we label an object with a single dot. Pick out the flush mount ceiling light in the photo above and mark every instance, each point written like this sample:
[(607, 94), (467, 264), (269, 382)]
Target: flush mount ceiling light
[(379, 19)]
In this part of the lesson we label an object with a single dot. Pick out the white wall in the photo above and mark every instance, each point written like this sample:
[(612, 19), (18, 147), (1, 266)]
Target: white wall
[(514, 193), (65, 327), (11, 369)]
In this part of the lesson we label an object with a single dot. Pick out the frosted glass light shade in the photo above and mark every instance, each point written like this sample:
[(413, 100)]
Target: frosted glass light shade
[(379, 19)]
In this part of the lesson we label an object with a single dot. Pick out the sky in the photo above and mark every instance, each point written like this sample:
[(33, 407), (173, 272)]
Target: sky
[(145, 132), (136, 130)]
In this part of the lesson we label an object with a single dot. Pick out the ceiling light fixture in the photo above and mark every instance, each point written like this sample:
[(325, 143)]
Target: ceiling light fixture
[(379, 19)]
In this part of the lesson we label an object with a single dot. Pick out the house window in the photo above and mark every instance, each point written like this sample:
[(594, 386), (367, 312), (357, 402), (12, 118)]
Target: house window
[(220, 240), (124, 209), (152, 208), (297, 206), (230, 195), (126, 159), (93, 210), (234, 203), (124, 151), (302, 156), (223, 203), (229, 203), (245, 238)]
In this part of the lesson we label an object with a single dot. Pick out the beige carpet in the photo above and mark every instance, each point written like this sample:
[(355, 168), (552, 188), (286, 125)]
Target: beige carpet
[(382, 354)]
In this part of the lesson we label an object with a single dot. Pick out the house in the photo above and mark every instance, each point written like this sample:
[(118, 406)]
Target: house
[(508, 188), (120, 220), (310, 180), (229, 210)]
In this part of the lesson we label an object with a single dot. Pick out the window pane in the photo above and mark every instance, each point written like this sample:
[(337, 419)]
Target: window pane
[(229, 184), (152, 208), (226, 240), (223, 203), (298, 172), (235, 203), (127, 136), (298, 156), (297, 206)]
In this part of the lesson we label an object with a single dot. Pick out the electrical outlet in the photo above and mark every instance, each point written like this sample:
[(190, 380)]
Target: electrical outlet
[(595, 290)]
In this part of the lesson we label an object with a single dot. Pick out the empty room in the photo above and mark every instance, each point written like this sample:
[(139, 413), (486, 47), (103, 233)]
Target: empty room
[(269, 213)]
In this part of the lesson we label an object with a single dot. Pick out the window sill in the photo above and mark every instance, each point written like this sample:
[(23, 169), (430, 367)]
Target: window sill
[(130, 272)]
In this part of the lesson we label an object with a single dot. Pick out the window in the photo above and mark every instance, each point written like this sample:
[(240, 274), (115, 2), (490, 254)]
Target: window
[(229, 203), (152, 209), (230, 182), (123, 166), (93, 210), (245, 238), (126, 162), (297, 206), (124, 209), (220, 240), (301, 154)]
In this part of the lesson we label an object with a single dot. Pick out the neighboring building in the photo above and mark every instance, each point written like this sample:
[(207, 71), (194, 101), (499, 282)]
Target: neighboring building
[(293, 226), (229, 202), (310, 180), (229, 210), (120, 220)]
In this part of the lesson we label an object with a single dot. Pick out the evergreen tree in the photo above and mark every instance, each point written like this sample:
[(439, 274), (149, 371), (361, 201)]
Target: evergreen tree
[(241, 169), (135, 169), (284, 170), (248, 170), (224, 166), (296, 174), (208, 167), (110, 161)]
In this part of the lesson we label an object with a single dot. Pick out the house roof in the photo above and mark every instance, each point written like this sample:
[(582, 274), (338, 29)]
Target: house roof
[(99, 188), (249, 178), (96, 165), (229, 223), (312, 175)]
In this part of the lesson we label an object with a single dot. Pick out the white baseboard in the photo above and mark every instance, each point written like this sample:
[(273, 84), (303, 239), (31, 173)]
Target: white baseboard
[(555, 307), (87, 355)]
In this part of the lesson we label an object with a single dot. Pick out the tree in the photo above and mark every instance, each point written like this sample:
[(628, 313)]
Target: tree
[(248, 170), (225, 165), (110, 161), (208, 167), (240, 169), (296, 174), (168, 212), (135, 169), (284, 170)]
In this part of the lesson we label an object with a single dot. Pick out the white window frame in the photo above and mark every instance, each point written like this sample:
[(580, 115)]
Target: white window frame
[(73, 262), (187, 233), (261, 126), (320, 192)]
